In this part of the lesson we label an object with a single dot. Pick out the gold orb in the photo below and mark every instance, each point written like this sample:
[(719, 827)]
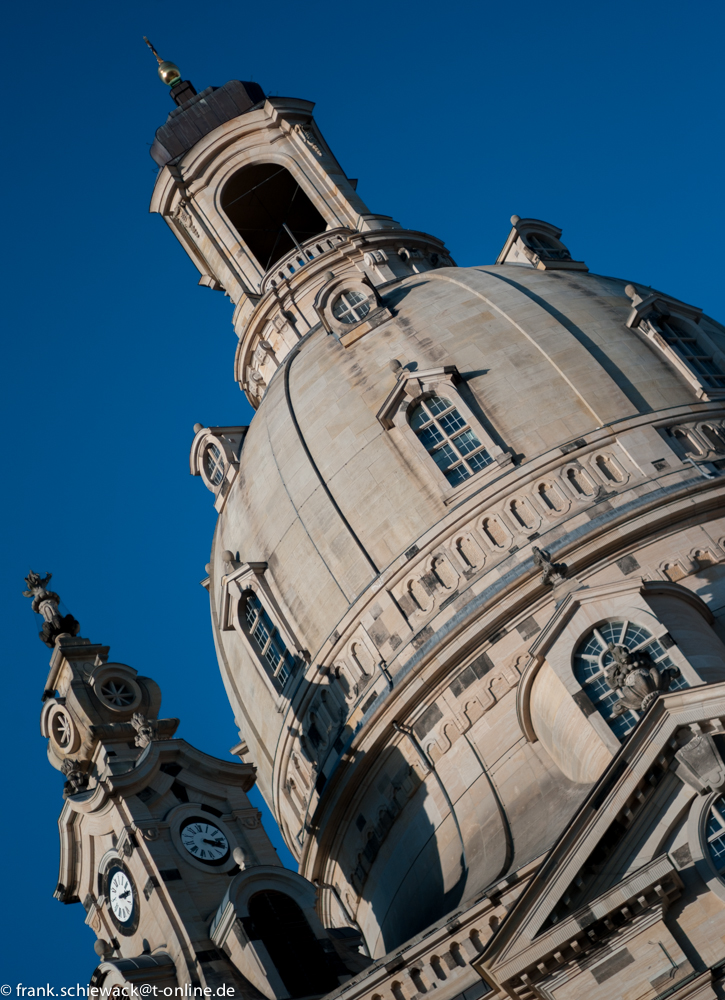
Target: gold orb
[(169, 73)]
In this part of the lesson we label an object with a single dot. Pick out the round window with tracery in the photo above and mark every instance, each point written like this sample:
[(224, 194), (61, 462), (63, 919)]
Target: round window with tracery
[(351, 307), (117, 693), (62, 730), (593, 660)]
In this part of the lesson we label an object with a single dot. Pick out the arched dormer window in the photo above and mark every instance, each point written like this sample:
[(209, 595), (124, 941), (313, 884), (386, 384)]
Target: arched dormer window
[(448, 439), (270, 211), (214, 464), (278, 921), (546, 248), (266, 640), (682, 339)]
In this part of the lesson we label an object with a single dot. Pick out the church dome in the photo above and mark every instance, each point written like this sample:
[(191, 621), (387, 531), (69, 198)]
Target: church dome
[(379, 567)]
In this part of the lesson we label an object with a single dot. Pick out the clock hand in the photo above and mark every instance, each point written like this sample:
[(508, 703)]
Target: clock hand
[(124, 895), (214, 843)]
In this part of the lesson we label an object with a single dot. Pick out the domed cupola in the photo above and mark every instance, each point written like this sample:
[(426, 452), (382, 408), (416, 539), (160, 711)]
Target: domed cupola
[(257, 199)]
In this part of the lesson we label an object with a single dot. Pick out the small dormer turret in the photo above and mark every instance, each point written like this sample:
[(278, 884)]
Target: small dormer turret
[(533, 243)]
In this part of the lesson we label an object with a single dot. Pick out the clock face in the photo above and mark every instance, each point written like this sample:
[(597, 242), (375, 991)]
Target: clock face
[(205, 842), (121, 897)]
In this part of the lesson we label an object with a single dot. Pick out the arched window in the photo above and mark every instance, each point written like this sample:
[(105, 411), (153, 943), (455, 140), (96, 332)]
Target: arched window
[(351, 307), (682, 339), (715, 436), (448, 439), (546, 248), (269, 210), (214, 464), (295, 951), (266, 640), (592, 659), (715, 833)]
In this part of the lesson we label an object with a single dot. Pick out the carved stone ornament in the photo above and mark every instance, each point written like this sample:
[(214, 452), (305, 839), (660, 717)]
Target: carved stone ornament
[(146, 729), (308, 137), (76, 779), (45, 603), (551, 572), (636, 677), (701, 765), (182, 215)]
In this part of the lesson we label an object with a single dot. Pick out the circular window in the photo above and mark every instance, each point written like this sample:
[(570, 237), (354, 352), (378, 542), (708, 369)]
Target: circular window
[(62, 730), (351, 307), (117, 693), (214, 464), (593, 659)]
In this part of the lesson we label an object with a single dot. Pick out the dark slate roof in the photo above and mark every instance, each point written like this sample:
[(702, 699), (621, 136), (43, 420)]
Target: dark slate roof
[(200, 115)]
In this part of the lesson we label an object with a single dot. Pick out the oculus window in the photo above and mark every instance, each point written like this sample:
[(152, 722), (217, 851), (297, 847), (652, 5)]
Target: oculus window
[(351, 307), (270, 211)]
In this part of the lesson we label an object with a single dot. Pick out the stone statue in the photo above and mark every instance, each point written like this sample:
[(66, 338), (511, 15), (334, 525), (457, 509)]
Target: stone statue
[(45, 603), (551, 572), (636, 677), (146, 730)]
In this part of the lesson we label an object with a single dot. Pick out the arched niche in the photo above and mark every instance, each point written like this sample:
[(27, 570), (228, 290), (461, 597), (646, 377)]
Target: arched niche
[(268, 924), (557, 708), (269, 211)]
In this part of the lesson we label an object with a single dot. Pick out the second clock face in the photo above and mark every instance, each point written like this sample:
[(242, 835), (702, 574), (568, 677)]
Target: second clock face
[(205, 842), (122, 898)]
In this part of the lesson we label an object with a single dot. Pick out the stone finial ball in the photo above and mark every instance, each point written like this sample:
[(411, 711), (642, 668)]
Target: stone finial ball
[(515, 219), (207, 568), (227, 556), (394, 365), (169, 73), (102, 947), (198, 427), (630, 290)]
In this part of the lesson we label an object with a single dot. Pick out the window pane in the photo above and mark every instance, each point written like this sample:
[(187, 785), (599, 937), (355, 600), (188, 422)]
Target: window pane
[(465, 442), (437, 404), (458, 475), (431, 436), (452, 422), (418, 417), (480, 461), (444, 457)]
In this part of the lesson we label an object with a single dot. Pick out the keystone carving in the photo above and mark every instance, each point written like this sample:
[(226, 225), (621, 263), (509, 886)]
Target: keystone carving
[(45, 603), (701, 765), (636, 677), (551, 572), (146, 730), (76, 779)]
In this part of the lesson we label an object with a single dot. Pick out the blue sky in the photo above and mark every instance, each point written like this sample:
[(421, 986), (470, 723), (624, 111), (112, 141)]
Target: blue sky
[(603, 118)]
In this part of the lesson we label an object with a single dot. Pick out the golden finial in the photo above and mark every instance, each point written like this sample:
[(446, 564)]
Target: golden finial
[(168, 71)]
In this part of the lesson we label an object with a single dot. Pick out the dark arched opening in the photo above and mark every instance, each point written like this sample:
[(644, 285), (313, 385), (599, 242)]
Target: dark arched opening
[(270, 211), (296, 953)]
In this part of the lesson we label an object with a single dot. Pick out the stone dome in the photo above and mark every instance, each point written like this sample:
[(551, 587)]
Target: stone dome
[(382, 578)]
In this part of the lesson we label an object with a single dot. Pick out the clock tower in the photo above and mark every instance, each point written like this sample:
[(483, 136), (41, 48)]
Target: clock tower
[(161, 845)]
